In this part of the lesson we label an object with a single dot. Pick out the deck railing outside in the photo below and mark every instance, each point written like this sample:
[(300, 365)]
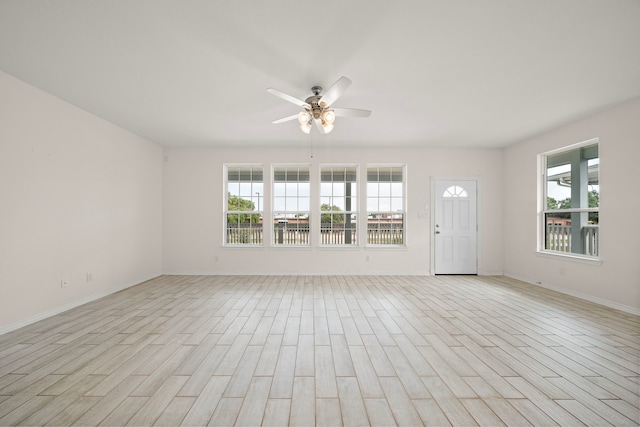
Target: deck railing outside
[(252, 234), (297, 234), (338, 235), (385, 236), (590, 239), (244, 234), (558, 238)]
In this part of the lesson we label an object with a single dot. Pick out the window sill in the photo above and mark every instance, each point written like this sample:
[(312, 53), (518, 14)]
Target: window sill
[(569, 257), (386, 247), (290, 247), (339, 248), (243, 247)]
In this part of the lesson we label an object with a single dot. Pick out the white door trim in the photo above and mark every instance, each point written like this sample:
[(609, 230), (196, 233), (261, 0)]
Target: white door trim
[(432, 214)]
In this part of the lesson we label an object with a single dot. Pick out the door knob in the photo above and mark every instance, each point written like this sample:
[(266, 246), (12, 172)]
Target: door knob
[(437, 232)]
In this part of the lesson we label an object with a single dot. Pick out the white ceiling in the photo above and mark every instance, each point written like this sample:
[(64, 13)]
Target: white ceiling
[(463, 73)]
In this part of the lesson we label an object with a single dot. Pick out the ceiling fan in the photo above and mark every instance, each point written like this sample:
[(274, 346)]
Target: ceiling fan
[(317, 108)]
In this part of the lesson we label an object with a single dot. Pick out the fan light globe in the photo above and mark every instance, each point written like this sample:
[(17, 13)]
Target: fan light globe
[(306, 127), (303, 118), (329, 116), (327, 127)]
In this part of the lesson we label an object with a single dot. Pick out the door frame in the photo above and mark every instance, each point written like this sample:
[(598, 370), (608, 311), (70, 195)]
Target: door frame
[(432, 222)]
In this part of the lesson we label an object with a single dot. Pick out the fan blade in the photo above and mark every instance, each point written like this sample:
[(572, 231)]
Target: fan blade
[(335, 91), (285, 119), (351, 112), (288, 98)]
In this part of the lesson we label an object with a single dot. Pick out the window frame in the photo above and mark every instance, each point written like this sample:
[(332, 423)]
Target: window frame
[(402, 212), (353, 211), (279, 230), (225, 207), (544, 210)]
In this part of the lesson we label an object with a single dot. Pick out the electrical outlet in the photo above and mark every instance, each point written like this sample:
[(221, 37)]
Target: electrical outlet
[(368, 258), (64, 283), (89, 277)]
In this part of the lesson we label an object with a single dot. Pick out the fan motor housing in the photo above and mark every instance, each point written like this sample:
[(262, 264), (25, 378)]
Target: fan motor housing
[(314, 102)]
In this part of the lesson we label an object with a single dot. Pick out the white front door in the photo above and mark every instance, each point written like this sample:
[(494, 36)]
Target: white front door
[(455, 227)]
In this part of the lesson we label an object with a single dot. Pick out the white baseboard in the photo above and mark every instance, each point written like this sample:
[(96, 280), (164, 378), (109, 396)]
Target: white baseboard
[(61, 309), (577, 294), (290, 273), (308, 273), (490, 273)]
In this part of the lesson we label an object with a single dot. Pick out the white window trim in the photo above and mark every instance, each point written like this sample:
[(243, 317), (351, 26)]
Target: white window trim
[(225, 182), (272, 213), (541, 204), (356, 211), (365, 216)]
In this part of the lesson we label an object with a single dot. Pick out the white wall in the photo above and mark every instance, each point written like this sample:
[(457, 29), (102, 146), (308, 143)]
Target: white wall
[(78, 195), (193, 206), (616, 281)]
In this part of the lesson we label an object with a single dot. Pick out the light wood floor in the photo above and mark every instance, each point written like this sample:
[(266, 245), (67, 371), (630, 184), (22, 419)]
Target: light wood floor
[(325, 350)]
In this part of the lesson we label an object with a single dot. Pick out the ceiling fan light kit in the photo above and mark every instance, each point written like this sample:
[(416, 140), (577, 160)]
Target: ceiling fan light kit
[(317, 108)]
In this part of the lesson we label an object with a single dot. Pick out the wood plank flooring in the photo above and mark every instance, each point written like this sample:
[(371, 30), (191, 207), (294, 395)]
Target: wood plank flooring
[(325, 350)]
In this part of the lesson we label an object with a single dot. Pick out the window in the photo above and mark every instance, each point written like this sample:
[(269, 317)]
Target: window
[(338, 205), (291, 197), (243, 215), (570, 205), (454, 191), (385, 205)]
